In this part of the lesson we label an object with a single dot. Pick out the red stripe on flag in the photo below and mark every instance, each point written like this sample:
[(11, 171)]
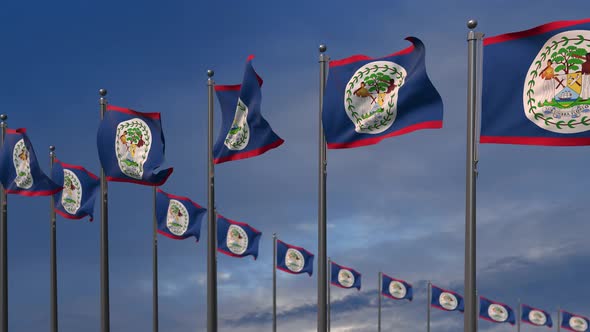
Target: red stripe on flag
[(532, 32)]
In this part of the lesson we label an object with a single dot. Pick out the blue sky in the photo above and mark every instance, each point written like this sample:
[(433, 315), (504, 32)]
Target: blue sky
[(397, 206)]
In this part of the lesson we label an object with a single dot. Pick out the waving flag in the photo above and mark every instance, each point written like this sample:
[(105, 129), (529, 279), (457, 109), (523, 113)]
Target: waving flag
[(80, 188), (446, 300), (573, 322), (541, 96), (244, 132), (131, 146), (536, 317), (345, 277), (495, 312), (396, 289), (178, 217), (292, 259), (20, 172), (368, 100), (237, 239)]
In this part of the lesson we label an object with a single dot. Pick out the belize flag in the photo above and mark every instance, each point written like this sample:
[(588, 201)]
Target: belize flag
[(237, 239), (495, 312), (178, 217), (344, 277), (573, 322), (80, 188), (131, 146), (244, 132), (396, 289), (367, 100), (536, 317), (536, 86), (446, 300), (20, 172), (292, 259)]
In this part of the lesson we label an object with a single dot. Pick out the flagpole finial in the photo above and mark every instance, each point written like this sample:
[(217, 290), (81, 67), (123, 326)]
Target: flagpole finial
[(51, 148), (102, 92), (323, 48), (472, 24), (210, 73), (3, 117)]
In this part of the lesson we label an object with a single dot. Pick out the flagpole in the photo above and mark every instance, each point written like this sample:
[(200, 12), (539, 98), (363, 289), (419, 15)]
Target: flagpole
[(3, 243), (274, 282), (519, 314), (104, 237), (379, 291), (470, 318), (155, 267), (323, 288), (428, 299), (558, 319), (52, 251), (211, 227), (329, 297)]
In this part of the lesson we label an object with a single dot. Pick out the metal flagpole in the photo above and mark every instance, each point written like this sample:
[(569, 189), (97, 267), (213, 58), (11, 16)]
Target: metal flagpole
[(322, 235), (3, 243), (155, 267), (558, 319), (211, 227), (379, 290), (519, 314), (52, 251), (104, 237), (470, 318), (274, 282), (329, 299), (428, 299)]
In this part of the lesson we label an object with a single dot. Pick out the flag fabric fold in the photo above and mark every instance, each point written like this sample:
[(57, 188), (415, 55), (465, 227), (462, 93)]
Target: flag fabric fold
[(178, 216), (574, 322), (367, 100), (21, 173), (237, 239), (541, 96), (396, 289), (536, 317), (244, 131), (131, 147), (344, 277), (495, 312), (80, 188), (446, 300), (294, 260)]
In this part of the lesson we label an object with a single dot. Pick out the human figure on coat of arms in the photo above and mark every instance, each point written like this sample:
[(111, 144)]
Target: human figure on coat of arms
[(547, 74), (585, 71)]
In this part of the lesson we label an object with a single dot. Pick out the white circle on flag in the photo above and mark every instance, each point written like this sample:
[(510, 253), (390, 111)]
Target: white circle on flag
[(345, 278), (236, 240), (177, 218), (397, 289), (497, 312), (448, 301), (578, 324), (537, 317), (294, 260)]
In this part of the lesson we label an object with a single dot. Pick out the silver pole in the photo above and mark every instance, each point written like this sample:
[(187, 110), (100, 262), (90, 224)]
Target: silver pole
[(105, 321), (470, 318), (379, 291), (558, 319), (519, 314), (329, 320), (155, 267), (211, 228), (52, 251), (428, 299), (3, 243), (274, 282), (322, 231)]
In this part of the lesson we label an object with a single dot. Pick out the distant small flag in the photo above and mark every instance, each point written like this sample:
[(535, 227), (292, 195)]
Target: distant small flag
[(237, 239), (244, 132), (292, 259), (495, 312), (446, 300), (573, 322), (345, 277), (541, 96), (131, 147), (536, 317), (396, 289), (178, 217), (20, 172), (368, 100), (80, 188)]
